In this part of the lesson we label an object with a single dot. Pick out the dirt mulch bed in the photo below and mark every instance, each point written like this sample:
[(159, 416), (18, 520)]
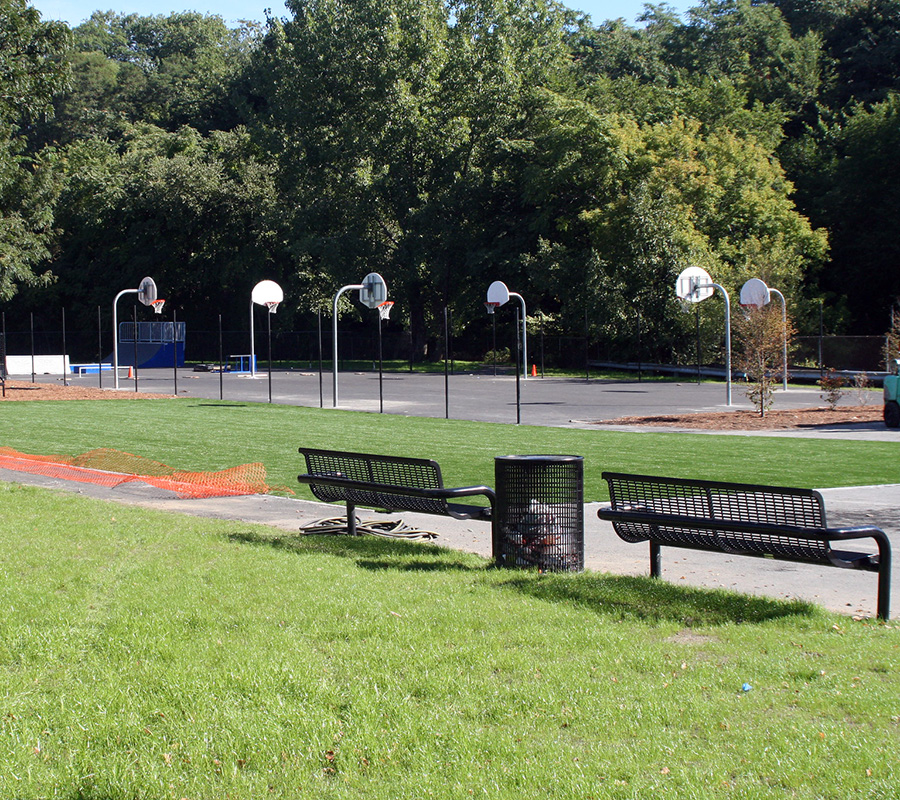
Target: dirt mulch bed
[(742, 420), (25, 390)]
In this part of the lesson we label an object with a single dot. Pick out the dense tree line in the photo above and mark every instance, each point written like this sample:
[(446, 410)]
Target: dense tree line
[(448, 143)]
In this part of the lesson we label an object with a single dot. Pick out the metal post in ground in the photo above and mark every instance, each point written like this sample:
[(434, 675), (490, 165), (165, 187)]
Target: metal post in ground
[(3, 356), (321, 389), (221, 360), (542, 346), (518, 382), (99, 349), (175, 350), (587, 365), (134, 336), (31, 314), (821, 335), (450, 340), (640, 350), (65, 381), (446, 375)]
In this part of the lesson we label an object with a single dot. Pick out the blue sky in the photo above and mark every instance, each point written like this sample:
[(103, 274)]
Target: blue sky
[(76, 11)]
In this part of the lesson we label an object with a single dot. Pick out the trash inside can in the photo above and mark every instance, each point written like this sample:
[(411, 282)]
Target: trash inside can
[(540, 512)]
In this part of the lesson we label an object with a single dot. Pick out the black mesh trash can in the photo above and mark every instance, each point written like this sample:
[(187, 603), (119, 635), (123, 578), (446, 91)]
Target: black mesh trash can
[(539, 513)]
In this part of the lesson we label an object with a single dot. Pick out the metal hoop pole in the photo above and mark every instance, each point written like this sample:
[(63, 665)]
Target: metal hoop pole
[(269, 322), (494, 348), (727, 335), (727, 345), (252, 345), (380, 370), (334, 340), (784, 332), (518, 383), (116, 335), (524, 334)]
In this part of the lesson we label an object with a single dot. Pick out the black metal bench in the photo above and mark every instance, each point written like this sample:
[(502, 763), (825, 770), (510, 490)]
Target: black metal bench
[(739, 519), (393, 483)]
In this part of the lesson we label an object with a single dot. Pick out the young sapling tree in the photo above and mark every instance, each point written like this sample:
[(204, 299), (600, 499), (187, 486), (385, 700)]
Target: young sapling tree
[(760, 334)]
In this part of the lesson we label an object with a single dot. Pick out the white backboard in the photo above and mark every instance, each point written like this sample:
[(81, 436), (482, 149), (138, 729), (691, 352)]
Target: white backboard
[(266, 292), (694, 284), (147, 291), (755, 293), (498, 293), (374, 290)]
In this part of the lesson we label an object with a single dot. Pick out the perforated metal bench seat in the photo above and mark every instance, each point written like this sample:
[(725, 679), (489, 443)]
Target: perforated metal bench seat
[(393, 483), (740, 519)]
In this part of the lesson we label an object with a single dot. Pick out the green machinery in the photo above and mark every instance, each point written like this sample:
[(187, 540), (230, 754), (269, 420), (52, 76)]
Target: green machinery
[(892, 397)]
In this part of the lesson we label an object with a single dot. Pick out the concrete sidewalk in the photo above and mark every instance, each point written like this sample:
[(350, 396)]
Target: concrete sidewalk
[(843, 591)]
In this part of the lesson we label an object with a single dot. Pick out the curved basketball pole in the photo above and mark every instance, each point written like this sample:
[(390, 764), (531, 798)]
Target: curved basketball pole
[(146, 293)]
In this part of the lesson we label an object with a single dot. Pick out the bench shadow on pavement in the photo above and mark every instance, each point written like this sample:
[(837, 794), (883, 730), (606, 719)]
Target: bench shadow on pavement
[(613, 596)]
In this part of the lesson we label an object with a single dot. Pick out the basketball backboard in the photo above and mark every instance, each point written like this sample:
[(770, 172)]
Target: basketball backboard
[(694, 284), (374, 290), (498, 293), (147, 291), (266, 292), (755, 293)]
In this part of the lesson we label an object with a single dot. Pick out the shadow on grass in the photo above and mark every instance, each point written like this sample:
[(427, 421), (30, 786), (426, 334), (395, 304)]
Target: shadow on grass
[(654, 600), (370, 552), (618, 597)]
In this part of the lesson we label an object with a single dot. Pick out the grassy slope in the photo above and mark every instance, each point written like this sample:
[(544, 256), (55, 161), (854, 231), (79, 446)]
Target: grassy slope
[(167, 657), (207, 435)]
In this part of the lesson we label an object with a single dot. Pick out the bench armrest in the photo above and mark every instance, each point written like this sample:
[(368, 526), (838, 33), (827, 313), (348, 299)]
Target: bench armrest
[(387, 488), (864, 532)]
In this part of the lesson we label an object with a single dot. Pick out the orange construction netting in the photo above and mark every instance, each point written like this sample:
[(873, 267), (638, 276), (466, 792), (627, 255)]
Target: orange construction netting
[(108, 467)]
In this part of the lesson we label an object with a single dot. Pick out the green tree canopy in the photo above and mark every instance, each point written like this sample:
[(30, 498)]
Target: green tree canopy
[(198, 213), (169, 71), (32, 69)]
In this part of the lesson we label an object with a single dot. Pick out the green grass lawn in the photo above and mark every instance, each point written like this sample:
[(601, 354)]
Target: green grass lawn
[(152, 655), (196, 434)]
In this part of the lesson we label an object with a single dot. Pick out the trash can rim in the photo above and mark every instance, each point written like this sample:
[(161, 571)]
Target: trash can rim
[(539, 457)]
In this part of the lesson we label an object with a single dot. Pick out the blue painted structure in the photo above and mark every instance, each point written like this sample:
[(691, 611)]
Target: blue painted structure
[(158, 345)]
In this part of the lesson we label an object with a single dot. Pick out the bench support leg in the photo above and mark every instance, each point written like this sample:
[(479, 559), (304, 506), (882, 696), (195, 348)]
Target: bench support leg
[(655, 561), (884, 588), (351, 518)]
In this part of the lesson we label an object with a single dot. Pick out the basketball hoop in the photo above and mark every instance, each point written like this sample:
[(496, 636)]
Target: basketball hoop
[(384, 309), (157, 306), (491, 307), (272, 305)]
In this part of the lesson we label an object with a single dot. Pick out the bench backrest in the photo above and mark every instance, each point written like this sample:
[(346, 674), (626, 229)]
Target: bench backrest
[(416, 473), (728, 502)]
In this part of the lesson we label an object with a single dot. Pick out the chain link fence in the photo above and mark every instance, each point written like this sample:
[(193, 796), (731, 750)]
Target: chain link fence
[(571, 352)]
